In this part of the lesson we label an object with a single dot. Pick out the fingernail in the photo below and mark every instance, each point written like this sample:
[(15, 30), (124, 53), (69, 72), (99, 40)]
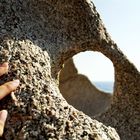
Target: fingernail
[(5, 65), (15, 83), (3, 115)]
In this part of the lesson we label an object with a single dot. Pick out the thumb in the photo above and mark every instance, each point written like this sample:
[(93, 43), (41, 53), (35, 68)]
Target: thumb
[(3, 116)]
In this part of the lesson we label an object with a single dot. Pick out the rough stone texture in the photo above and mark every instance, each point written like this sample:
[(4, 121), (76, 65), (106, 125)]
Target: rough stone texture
[(37, 37), (81, 93)]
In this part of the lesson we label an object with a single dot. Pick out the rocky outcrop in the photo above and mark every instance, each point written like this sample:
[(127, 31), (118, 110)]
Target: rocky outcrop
[(36, 38), (79, 91), (40, 112)]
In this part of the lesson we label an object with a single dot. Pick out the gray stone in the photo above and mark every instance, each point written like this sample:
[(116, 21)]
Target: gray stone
[(39, 36)]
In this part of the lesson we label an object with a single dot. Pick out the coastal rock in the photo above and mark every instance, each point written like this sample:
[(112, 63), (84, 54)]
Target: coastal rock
[(37, 37), (81, 93), (34, 36)]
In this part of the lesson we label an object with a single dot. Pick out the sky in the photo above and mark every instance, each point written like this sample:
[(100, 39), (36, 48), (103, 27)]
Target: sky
[(122, 20)]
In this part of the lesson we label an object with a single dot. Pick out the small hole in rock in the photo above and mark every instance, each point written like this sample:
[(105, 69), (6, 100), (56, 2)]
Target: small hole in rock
[(86, 82)]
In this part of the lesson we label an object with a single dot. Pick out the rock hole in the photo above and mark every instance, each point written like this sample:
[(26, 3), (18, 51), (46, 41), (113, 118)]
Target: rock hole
[(86, 82)]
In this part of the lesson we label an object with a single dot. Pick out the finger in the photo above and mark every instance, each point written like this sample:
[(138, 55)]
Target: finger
[(13, 97), (4, 68), (3, 116), (8, 87)]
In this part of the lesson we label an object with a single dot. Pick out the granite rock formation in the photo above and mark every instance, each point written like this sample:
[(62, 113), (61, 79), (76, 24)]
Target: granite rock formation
[(81, 93), (36, 38)]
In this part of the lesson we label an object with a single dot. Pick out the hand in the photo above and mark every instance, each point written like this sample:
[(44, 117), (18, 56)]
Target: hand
[(5, 89)]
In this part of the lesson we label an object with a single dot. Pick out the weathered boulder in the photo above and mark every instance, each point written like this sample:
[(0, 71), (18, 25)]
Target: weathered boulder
[(81, 93), (40, 112), (36, 38)]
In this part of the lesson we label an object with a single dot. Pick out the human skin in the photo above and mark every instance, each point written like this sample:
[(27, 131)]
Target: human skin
[(5, 89)]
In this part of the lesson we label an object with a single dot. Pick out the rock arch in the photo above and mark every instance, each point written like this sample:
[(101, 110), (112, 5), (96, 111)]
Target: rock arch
[(37, 37)]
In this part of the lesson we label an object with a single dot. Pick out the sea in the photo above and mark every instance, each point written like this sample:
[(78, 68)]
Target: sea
[(106, 86)]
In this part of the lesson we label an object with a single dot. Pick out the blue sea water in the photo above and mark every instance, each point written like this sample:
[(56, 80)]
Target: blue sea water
[(105, 86)]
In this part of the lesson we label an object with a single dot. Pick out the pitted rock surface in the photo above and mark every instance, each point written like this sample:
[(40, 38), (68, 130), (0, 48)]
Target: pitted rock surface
[(36, 38), (40, 112)]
